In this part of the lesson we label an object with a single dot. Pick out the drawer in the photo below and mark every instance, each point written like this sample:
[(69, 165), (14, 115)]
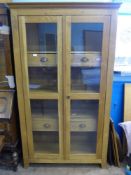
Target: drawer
[(87, 59), (83, 125), (42, 60), (76, 125), (40, 124)]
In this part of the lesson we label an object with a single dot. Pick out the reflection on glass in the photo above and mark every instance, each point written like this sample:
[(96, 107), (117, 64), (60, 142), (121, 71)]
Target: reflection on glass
[(86, 56), (45, 126), (84, 117), (41, 37), (43, 78), (85, 79), (42, 57), (89, 36)]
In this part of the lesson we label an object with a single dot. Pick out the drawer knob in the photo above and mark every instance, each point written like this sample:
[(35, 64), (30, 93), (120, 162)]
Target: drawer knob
[(84, 59), (43, 59), (82, 125), (46, 125)]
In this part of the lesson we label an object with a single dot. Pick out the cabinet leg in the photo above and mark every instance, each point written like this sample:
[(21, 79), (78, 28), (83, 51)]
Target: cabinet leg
[(25, 163), (104, 164)]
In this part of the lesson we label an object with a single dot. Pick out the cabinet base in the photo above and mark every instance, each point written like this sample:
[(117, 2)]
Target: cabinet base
[(62, 161)]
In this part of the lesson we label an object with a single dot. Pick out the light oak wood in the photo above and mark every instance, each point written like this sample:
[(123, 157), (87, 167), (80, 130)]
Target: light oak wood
[(101, 95), (90, 159), (67, 74), (34, 60), (60, 77), (40, 95), (86, 59), (104, 63), (65, 12), (80, 124), (43, 95), (111, 56), (66, 145), (127, 102)]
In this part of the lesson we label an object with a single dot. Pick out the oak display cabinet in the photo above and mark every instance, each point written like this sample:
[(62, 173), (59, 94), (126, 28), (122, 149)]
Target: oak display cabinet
[(64, 55)]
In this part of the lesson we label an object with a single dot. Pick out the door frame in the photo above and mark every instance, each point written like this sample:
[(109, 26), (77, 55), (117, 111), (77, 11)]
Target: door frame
[(22, 20), (101, 96)]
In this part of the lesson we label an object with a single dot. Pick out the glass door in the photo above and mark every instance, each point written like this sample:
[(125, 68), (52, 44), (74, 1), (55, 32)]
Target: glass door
[(86, 64), (41, 57)]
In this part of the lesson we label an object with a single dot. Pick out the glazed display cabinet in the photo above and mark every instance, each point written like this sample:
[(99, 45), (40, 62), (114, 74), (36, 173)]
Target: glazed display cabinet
[(64, 55)]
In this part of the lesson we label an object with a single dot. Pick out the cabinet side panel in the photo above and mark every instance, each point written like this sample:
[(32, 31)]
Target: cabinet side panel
[(111, 58), (18, 74)]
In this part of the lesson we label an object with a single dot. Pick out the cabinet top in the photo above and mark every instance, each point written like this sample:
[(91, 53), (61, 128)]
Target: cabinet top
[(92, 5)]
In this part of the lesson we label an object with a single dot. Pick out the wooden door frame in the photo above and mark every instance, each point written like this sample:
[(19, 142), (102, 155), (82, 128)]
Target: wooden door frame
[(98, 96), (28, 95)]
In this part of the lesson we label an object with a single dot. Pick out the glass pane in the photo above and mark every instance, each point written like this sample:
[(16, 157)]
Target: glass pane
[(86, 47), (89, 36), (85, 79), (42, 56), (41, 37), (43, 78), (84, 117), (45, 126)]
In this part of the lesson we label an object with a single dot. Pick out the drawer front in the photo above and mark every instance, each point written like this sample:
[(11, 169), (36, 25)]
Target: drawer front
[(42, 60), (45, 125), (52, 125), (83, 125), (88, 59)]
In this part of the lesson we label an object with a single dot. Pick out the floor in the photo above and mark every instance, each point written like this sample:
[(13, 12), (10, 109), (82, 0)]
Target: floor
[(44, 169)]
